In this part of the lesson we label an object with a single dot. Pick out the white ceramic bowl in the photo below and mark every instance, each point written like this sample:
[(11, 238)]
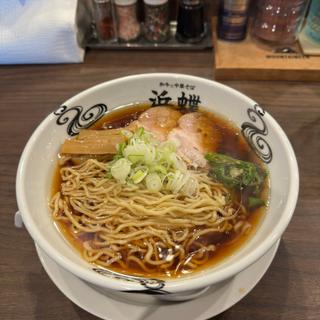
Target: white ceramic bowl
[(38, 160)]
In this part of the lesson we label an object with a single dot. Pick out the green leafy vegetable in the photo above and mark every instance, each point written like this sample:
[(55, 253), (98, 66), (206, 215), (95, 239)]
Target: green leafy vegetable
[(235, 173), (254, 202)]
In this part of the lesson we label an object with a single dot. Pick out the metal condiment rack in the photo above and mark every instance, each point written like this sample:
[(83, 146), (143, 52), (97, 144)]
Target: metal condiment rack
[(143, 44)]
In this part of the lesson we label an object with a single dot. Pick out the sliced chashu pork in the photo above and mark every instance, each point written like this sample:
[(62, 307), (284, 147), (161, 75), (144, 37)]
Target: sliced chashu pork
[(195, 136), (160, 121), (193, 133)]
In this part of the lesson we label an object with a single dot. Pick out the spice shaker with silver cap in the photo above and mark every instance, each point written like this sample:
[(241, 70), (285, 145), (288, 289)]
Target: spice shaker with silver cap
[(104, 20), (127, 20), (156, 25)]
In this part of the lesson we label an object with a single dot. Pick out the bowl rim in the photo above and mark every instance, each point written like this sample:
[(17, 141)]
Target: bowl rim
[(172, 285)]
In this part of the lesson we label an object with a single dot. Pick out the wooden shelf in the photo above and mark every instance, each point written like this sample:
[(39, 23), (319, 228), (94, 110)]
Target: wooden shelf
[(249, 60)]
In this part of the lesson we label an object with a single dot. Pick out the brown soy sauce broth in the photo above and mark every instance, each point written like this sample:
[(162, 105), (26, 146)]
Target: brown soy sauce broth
[(120, 117), (232, 144)]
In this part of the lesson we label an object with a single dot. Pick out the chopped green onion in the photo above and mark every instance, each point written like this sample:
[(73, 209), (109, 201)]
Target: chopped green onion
[(153, 182), (191, 187), (140, 152), (121, 169), (134, 158), (143, 159), (178, 163), (168, 147), (139, 175), (140, 132), (120, 147), (158, 168), (176, 181)]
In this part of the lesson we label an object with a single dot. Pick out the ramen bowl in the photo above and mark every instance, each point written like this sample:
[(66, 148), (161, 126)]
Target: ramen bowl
[(262, 132)]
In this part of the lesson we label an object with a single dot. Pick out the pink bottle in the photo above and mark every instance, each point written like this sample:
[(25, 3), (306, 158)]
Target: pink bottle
[(278, 21)]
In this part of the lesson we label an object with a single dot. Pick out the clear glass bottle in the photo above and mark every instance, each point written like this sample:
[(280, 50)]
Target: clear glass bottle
[(191, 26), (104, 20), (156, 25), (127, 20), (278, 22)]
